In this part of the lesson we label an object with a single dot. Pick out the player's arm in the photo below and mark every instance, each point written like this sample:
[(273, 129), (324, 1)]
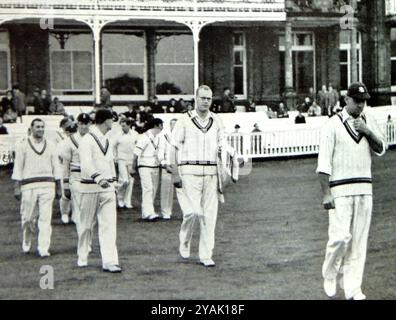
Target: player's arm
[(67, 154), (328, 200), (325, 168), (19, 163), (140, 146), (177, 140), (57, 172)]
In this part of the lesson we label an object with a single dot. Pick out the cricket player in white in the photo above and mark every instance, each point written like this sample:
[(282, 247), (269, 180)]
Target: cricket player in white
[(60, 138), (146, 160), (124, 146), (98, 198), (344, 168), (197, 136), (72, 168), (37, 181), (167, 186)]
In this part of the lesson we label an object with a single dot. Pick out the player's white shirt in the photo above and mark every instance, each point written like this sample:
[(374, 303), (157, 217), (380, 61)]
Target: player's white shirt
[(124, 145)]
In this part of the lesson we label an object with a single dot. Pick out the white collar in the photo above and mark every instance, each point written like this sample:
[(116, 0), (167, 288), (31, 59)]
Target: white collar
[(346, 116), (194, 114)]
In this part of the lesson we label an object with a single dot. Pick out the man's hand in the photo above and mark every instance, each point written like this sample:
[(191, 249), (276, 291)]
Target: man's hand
[(104, 184), (177, 182), (17, 193), (328, 202), (67, 193), (132, 171), (168, 169), (361, 127)]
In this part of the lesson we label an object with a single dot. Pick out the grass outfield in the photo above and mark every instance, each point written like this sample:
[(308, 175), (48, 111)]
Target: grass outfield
[(270, 241)]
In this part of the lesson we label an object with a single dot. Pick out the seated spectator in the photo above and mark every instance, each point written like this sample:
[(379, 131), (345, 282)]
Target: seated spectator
[(237, 127), (256, 128), (57, 107), (282, 113), (228, 99), (304, 107), (6, 102), (3, 129), (314, 110), (38, 102), (10, 116), (271, 114), (251, 105), (190, 107), (131, 113), (300, 118), (181, 105), (172, 106), (155, 105), (46, 101)]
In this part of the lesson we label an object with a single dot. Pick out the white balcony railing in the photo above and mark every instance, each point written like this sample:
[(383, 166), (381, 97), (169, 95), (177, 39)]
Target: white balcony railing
[(390, 7), (163, 5)]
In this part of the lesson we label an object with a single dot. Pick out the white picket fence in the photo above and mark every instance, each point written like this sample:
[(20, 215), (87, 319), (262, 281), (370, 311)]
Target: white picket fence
[(288, 143), (292, 140)]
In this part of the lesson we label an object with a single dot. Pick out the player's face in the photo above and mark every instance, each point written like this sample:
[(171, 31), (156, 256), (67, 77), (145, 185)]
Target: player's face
[(172, 124), (204, 100), (83, 128), (109, 124), (355, 107), (38, 129), (124, 127)]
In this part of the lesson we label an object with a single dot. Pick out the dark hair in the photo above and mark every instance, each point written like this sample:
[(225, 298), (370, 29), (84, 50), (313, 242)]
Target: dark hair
[(155, 122), (64, 121), (36, 120), (102, 115), (126, 120), (15, 86)]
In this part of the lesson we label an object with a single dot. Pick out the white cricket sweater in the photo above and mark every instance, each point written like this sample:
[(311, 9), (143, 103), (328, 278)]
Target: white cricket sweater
[(36, 165), (345, 155), (197, 141), (146, 150), (124, 145), (97, 162)]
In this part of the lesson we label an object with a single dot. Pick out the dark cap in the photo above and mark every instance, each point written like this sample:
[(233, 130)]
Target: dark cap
[(358, 91), (84, 118), (102, 115)]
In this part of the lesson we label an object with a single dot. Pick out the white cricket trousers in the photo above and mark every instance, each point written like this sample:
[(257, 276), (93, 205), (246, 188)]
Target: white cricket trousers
[(103, 206), (124, 192), (37, 204), (149, 178), (198, 200), (166, 193), (349, 226), (75, 200)]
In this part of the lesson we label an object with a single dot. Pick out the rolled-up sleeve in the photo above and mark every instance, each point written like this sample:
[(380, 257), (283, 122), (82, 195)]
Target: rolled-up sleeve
[(374, 127), (326, 149)]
